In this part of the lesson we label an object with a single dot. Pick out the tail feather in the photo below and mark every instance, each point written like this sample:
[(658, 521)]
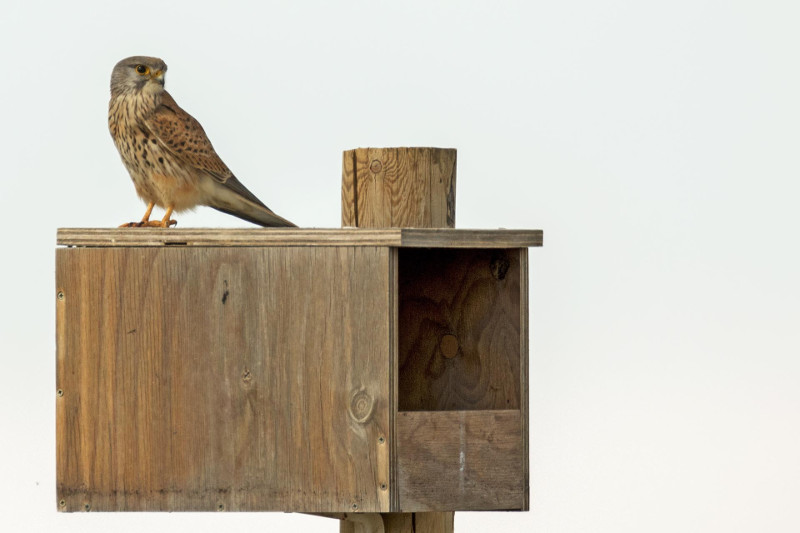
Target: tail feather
[(234, 199), (257, 215)]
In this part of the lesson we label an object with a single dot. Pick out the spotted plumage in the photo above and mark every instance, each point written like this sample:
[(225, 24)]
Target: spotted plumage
[(168, 155)]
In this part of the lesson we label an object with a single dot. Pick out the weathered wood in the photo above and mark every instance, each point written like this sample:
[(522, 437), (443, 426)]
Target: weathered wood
[(443, 188), (224, 378), (419, 522), (523, 377), (396, 237), (398, 187), (394, 366), (396, 523), (349, 202), (460, 460), (459, 329)]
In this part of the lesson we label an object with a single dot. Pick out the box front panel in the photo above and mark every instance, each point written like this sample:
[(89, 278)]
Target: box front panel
[(223, 378), (460, 460)]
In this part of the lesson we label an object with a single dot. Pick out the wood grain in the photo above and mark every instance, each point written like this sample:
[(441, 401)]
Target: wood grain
[(460, 460), (398, 237), (524, 336), (398, 187), (396, 523), (223, 379), (473, 296), (443, 188), (349, 203)]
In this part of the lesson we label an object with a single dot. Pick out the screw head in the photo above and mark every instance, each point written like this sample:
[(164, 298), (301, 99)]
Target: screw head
[(60, 393), (60, 295)]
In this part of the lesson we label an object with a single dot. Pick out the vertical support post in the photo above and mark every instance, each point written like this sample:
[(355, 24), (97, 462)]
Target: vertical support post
[(399, 188), (392, 188)]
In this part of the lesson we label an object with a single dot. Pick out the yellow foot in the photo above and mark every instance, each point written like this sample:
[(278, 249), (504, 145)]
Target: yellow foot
[(150, 224), (159, 223)]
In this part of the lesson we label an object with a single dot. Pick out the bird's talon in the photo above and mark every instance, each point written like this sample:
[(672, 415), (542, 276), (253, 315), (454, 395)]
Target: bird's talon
[(155, 223)]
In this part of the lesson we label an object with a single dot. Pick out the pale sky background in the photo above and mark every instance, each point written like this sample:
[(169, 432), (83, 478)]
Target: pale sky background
[(655, 143)]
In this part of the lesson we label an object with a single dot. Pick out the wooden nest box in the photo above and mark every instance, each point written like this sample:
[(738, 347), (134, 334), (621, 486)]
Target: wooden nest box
[(374, 370)]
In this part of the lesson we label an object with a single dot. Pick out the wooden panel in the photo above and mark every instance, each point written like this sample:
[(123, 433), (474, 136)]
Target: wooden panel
[(223, 378), (396, 523), (418, 522), (459, 460), (470, 238), (349, 203), (459, 329), (524, 369), (400, 237), (399, 187), (443, 189), (393, 380)]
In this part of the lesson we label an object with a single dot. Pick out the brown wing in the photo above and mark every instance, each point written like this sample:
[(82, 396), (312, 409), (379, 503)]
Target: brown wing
[(185, 138)]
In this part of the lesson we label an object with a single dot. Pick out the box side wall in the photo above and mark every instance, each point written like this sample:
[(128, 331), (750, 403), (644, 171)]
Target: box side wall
[(248, 379)]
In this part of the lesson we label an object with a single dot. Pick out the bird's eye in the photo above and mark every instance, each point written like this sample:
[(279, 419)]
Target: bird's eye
[(141, 69)]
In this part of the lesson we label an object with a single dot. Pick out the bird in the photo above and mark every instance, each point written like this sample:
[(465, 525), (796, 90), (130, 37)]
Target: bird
[(167, 153)]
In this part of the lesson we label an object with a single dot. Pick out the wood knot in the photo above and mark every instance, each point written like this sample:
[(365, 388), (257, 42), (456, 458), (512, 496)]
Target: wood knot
[(376, 166), (247, 377), (499, 267), (448, 345), (361, 404)]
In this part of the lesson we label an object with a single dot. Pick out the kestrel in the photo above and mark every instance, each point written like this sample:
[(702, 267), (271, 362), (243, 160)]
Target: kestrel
[(170, 159)]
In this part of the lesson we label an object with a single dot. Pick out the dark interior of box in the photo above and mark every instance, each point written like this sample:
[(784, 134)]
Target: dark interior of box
[(458, 329)]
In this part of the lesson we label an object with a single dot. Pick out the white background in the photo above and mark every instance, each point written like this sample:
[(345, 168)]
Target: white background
[(655, 143)]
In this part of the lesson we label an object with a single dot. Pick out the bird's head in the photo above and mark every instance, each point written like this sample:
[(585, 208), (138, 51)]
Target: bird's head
[(138, 73)]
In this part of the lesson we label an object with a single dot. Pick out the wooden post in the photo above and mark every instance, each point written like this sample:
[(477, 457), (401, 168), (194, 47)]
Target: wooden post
[(399, 187)]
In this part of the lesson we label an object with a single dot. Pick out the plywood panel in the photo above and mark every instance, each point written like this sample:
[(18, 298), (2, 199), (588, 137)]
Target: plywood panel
[(459, 329), (524, 373), (223, 378), (349, 203), (459, 460), (401, 237)]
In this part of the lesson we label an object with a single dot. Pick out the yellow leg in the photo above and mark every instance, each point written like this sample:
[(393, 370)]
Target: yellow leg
[(166, 221), (145, 218), (163, 223), (147, 223)]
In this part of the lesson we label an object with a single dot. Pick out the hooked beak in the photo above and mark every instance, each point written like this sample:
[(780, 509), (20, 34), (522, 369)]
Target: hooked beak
[(158, 76)]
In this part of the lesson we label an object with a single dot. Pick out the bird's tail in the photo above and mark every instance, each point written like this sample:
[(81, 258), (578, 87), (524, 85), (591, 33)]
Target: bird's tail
[(233, 198), (256, 214)]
